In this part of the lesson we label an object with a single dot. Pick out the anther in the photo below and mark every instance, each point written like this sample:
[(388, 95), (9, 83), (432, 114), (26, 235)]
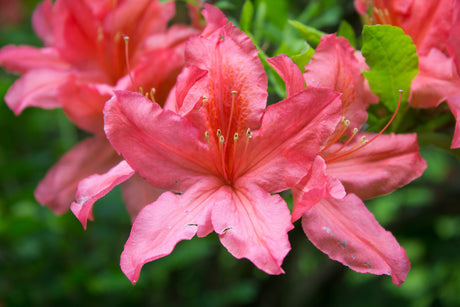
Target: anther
[(249, 133), (206, 135), (346, 123), (221, 139), (205, 99), (219, 133), (235, 136)]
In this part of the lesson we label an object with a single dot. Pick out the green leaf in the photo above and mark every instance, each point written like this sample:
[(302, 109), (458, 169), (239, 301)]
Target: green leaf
[(247, 14), (393, 61), (346, 30), (311, 35), (303, 57), (259, 21)]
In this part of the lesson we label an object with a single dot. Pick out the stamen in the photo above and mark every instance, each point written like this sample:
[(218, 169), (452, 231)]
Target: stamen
[(126, 39), (363, 140), (235, 141), (248, 136), (219, 133), (248, 133), (355, 131), (231, 115), (222, 155), (152, 94), (338, 135)]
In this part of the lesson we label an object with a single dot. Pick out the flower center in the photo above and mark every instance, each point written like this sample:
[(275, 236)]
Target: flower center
[(227, 141)]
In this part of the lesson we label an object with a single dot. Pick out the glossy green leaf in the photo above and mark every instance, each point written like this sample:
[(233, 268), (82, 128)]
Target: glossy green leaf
[(393, 61)]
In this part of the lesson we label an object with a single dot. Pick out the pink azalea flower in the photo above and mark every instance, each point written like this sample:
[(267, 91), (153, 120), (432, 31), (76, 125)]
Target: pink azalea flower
[(363, 166), (219, 152), (433, 26), (84, 59)]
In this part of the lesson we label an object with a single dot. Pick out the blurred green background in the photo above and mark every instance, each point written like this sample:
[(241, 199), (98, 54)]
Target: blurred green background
[(48, 260)]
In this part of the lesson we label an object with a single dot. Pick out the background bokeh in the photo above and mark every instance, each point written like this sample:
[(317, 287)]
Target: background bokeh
[(48, 260)]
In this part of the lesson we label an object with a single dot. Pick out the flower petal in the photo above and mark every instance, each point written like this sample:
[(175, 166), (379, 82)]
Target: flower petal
[(335, 66), (157, 70), (289, 72), (42, 22), (96, 186), (37, 88), (170, 219), (57, 189), (437, 80), (347, 232), (83, 103), (454, 105), (137, 193), (254, 225), (189, 86), (20, 59), (387, 163), (215, 19), (314, 187), (233, 64), (163, 147), (280, 153)]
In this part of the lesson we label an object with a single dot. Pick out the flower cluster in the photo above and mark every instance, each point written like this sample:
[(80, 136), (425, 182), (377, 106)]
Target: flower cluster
[(179, 116)]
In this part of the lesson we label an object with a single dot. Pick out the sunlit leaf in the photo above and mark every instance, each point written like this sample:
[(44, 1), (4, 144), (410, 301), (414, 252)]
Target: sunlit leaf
[(393, 61)]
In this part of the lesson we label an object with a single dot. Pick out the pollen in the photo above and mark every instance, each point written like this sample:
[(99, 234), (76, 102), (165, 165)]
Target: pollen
[(248, 133)]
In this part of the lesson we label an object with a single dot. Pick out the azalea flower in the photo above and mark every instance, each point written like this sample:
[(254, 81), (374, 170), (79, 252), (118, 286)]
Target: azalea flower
[(220, 153), (92, 48), (364, 165), (433, 27)]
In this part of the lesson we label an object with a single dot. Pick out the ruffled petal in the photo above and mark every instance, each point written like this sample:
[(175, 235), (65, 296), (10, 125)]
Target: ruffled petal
[(20, 59), (387, 163), (437, 80), (96, 186), (170, 219), (233, 65), (254, 225), (281, 152), (163, 147), (335, 66), (91, 156), (37, 88), (347, 232), (215, 19), (314, 187), (189, 87), (454, 105), (289, 72)]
